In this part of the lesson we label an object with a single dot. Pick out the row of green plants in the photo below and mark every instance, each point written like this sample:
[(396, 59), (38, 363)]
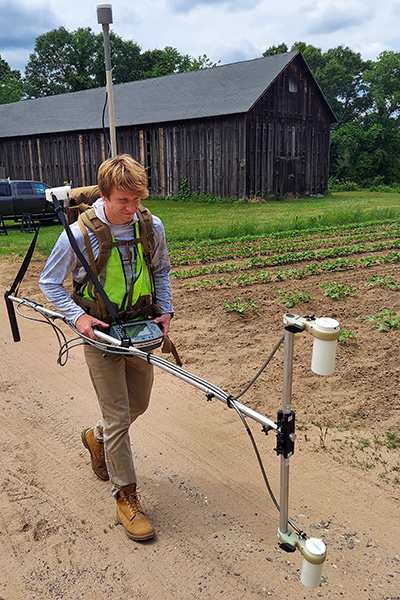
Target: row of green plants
[(263, 246), (299, 251), (339, 264), (292, 235)]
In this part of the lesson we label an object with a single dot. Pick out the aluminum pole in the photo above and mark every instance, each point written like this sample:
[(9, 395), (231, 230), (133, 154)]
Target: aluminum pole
[(104, 17), (286, 409), (201, 384)]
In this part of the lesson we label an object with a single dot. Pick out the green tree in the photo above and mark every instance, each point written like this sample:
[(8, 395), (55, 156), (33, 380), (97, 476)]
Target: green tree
[(126, 60), (383, 80), (367, 149), (62, 61), (273, 50), (156, 63), (70, 61), (10, 83)]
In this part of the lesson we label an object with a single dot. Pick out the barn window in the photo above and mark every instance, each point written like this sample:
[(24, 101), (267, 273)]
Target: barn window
[(292, 85)]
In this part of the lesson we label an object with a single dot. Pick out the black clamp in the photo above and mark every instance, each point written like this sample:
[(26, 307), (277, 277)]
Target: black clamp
[(266, 429), (286, 434), (294, 328), (125, 342), (229, 401)]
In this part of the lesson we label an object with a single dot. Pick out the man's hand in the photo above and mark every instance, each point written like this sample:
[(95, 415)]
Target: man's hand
[(164, 321), (85, 323)]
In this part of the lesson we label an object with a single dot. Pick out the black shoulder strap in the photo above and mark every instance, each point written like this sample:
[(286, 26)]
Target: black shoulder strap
[(84, 262), (14, 288)]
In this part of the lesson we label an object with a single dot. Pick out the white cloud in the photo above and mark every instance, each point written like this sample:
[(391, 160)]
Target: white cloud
[(227, 5), (329, 16), (226, 30), (370, 51)]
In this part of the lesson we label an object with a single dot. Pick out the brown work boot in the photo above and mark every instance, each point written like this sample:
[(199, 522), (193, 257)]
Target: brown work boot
[(96, 450), (130, 514)]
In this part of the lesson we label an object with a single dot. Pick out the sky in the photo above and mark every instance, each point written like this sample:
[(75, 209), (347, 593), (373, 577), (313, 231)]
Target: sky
[(225, 30)]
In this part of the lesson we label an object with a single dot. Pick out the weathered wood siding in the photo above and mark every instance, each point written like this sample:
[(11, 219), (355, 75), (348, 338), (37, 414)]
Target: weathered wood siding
[(209, 153), (288, 138), (54, 159)]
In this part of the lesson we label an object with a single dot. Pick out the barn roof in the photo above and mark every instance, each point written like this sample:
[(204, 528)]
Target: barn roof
[(223, 90)]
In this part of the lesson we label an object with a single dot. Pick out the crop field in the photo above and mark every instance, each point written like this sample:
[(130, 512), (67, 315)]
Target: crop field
[(326, 250), (235, 293)]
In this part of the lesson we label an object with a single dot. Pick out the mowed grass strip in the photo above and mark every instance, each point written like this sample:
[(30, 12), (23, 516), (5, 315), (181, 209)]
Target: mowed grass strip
[(196, 222)]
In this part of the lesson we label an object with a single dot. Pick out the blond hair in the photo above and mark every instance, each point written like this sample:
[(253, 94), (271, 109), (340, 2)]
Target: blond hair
[(122, 173)]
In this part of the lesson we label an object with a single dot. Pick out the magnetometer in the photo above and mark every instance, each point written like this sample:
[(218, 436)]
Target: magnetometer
[(145, 335)]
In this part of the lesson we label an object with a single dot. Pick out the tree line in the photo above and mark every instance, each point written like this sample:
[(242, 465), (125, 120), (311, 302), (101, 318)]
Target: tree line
[(363, 94), (365, 97), (65, 61)]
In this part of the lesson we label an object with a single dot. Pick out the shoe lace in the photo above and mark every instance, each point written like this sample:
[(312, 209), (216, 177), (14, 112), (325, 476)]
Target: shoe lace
[(133, 503)]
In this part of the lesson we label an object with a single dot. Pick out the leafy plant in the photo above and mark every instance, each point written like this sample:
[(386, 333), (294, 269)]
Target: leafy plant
[(337, 290), (346, 335), (239, 306), (385, 321), (323, 431), (392, 440), (292, 298), (383, 282), (184, 193)]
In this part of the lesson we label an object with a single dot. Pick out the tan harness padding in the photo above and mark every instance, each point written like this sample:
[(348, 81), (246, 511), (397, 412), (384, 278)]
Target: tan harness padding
[(83, 198), (89, 220), (169, 348)]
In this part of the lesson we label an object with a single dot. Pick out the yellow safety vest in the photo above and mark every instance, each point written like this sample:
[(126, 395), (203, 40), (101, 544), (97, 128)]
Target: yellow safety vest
[(131, 302)]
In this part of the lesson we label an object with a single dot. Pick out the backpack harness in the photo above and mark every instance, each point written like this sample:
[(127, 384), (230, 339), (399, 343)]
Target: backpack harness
[(129, 304), (135, 306)]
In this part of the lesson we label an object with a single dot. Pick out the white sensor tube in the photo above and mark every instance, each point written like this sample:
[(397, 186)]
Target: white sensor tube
[(311, 571), (324, 351)]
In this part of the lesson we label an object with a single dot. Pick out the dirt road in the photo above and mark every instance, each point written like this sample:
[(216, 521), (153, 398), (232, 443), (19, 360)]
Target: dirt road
[(200, 485)]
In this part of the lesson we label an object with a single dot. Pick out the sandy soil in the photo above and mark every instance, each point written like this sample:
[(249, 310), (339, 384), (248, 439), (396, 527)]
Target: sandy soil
[(199, 480)]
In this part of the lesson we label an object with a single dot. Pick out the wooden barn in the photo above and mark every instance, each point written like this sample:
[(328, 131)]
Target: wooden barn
[(253, 128)]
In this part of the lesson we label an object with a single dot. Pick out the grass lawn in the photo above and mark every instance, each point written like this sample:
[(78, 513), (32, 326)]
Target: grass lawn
[(196, 221)]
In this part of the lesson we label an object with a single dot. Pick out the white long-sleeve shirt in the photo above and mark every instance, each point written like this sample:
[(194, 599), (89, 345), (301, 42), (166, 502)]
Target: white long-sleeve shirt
[(63, 261)]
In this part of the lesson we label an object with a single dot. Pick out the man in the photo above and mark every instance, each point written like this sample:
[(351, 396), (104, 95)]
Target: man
[(138, 288)]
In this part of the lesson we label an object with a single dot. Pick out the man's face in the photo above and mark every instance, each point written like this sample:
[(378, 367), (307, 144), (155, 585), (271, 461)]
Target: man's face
[(120, 206)]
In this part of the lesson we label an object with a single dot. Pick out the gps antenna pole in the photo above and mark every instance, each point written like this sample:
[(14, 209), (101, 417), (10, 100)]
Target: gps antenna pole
[(104, 18)]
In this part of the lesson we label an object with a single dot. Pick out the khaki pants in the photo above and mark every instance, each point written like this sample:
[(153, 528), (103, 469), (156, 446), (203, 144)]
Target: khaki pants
[(123, 386)]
